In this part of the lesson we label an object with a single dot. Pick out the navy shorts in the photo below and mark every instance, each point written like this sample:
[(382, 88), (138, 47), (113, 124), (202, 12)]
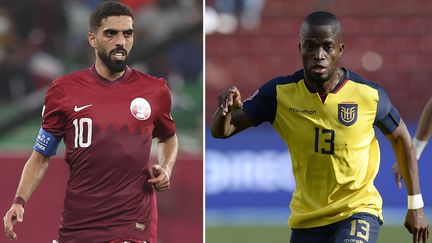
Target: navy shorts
[(359, 228)]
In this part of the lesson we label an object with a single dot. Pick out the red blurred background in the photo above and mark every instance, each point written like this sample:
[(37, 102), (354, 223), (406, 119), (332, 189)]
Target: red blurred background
[(397, 32)]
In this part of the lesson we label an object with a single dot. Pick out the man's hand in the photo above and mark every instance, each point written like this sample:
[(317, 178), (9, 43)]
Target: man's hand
[(417, 224), (229, 118), (397, 175), (161, 180), (15, 214), (230, 100)]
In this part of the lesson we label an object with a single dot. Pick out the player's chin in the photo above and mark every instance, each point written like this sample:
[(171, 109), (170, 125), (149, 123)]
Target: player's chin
[(119, 62), (319, 77), (117, 66)]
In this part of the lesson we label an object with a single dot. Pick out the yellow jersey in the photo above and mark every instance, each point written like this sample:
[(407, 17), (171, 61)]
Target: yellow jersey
[(334, 150)]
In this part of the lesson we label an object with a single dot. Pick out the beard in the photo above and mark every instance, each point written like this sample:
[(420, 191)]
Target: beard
[(114, 66)]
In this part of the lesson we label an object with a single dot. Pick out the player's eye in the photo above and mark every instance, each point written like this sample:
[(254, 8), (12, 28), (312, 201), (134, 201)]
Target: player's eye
[(308, 46), (111, 33), (328, 47), (128, 33)]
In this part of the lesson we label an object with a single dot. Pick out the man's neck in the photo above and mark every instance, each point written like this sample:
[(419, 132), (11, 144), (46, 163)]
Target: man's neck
[(324, 88), (103, 71)]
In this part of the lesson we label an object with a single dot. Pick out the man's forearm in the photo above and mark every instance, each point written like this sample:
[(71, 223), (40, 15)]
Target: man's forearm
[(222, 126), (408, 168), (32, 174), (167, 153), (406, 158), (424, 129)]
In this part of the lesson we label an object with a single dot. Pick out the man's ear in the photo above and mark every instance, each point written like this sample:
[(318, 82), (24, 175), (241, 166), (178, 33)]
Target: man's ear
[(341, 49), (92, 39)]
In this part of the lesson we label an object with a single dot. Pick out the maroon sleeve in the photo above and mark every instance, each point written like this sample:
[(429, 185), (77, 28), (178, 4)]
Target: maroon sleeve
[(164, 125), (54, 119)]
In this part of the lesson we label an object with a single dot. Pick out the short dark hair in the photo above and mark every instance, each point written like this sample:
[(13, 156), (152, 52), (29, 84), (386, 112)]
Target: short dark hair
[(321, 18), (107, 9)]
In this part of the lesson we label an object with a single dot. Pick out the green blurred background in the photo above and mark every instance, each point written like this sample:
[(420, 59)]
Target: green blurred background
[(281, 234)]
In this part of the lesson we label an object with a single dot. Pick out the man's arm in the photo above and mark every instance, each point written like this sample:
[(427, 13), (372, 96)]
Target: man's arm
[(415, 220), (167, 155), (424, 129), (420, 140), (32, 174), (229, 117)]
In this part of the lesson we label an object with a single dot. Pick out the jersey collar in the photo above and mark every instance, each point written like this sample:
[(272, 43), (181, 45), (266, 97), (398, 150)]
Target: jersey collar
[(341, 84), (125, 76)]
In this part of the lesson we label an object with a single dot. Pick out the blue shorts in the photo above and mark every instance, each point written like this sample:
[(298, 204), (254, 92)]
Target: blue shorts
[(359, 228)]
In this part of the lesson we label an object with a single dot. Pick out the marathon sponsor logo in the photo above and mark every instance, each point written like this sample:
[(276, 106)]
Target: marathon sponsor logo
[(302, 111), (353, 241)]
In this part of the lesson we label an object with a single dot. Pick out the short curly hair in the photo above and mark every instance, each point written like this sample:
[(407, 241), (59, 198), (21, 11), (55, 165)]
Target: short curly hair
[(107, 9)]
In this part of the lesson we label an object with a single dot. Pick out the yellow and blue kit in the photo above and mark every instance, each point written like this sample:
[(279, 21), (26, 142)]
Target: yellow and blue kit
[(334, 150)]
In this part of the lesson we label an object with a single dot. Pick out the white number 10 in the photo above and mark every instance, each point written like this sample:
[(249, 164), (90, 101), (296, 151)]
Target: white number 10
[(79, 131)]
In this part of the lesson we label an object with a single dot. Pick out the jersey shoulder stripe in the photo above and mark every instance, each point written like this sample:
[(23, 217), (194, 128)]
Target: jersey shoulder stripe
[(387, 117), (262, 105)]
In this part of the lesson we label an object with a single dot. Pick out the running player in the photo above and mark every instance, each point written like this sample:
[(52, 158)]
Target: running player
[(326, 115), (107, 116)]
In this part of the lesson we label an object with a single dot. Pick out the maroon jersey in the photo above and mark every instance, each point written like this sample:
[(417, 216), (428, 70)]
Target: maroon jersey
[(108, 127)]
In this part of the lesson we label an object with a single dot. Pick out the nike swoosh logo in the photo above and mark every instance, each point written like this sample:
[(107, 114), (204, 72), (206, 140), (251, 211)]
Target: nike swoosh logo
[(76, 108)]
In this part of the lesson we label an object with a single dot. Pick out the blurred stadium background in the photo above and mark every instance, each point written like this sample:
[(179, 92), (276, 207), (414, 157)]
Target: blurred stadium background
[(248, 177), (42, 39)]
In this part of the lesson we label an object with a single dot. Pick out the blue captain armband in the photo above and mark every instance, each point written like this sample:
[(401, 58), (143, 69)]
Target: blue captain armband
[(46, 143)]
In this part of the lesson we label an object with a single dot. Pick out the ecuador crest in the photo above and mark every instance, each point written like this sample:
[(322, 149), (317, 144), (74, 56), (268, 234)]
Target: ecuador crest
[(347, 113)]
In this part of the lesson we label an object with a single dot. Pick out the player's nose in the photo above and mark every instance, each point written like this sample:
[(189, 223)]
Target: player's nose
[(318, 54), (120, 40)]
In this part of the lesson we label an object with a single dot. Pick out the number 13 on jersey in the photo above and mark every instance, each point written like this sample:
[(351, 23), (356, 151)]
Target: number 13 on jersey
[(324, 140)]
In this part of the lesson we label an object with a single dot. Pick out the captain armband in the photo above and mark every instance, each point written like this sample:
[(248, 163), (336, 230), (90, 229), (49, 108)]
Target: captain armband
[(418, 145), (415, 201), (46, 143)]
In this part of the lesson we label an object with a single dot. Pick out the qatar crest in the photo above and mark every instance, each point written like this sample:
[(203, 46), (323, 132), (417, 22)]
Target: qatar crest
[(140, 108), (347, 113)]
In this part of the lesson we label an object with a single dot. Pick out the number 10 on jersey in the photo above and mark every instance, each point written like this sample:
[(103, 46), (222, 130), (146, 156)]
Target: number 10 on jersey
[(80, 125)]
